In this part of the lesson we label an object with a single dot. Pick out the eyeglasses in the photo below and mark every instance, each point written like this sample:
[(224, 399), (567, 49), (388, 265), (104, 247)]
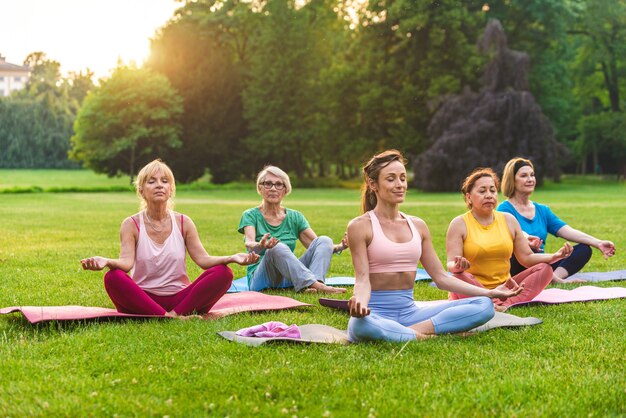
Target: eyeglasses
[(278, 185)]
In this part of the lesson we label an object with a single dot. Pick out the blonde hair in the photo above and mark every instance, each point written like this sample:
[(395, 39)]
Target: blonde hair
[(470, 181), (270, 169), (510, 170), (371, 170), (149, 171)]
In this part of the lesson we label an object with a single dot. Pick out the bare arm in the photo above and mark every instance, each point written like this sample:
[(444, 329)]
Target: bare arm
[(251, 243), (307, 236), (435, 269), (522, 250), (457, 231), (126, 260), (201, 257), (358, 238), (571, 234)]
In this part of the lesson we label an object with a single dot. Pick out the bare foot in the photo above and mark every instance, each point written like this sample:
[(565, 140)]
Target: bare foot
[(173, 314), (419, 336), (575, 281), (500, 308), (322, 288), (309, 290)]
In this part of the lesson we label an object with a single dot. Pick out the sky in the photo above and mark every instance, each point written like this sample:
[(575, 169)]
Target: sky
[(82, 34)]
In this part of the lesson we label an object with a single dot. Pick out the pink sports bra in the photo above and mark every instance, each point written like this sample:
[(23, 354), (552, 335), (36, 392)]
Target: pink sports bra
[(386, 256)]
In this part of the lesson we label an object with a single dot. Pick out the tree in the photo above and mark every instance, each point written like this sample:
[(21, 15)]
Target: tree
[(488, 128), (602, 25), (36, 122), (415, 53), (280, 95), (204, 70), (130, 119), (539, 28), (604, 135)]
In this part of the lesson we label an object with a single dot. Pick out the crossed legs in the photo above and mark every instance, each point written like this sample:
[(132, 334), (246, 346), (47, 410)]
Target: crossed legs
[(199, 296)]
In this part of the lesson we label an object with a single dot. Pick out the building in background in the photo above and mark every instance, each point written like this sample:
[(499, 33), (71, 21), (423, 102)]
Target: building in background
[(12, 77)]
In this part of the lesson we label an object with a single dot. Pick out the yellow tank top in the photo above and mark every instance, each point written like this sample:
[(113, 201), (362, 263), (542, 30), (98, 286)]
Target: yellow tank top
[(488, 249)]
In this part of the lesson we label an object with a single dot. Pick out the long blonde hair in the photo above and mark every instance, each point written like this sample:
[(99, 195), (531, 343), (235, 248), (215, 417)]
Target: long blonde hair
[(149, 171), (371, 171)]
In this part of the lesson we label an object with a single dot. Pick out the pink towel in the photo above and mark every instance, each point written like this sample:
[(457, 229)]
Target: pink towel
[(271, 330)]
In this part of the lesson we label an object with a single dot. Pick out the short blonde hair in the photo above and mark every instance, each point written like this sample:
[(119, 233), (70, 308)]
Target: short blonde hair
[(149, 171), (270, 169), (508, 175)]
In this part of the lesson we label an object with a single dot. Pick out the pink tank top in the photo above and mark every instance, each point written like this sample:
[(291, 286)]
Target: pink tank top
[(386, 256), (160, 269)]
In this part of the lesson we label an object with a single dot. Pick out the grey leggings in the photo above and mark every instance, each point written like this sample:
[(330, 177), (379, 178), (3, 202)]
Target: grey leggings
[(280, 267)]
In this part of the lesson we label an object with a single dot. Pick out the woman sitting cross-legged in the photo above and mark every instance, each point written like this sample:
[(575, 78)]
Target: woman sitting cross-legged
[(480, 244), (154, 245), (386, 247), (536, 220), (271, 230)]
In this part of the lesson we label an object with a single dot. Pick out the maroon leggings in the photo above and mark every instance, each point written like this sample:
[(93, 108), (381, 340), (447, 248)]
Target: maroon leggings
[(199, 296)]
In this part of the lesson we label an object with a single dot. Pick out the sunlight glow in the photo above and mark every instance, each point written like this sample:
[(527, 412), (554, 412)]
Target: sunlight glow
[(81, 34)]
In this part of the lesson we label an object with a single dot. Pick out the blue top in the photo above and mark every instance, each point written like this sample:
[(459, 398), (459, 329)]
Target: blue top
[(288, 232), (544, 221)]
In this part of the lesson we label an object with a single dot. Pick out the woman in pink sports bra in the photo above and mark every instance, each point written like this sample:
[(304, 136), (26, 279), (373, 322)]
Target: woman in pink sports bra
[(386, 246), (154, 246)]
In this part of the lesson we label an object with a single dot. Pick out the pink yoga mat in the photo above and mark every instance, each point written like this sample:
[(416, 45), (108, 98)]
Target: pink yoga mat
[(229, 304), (579, 294)]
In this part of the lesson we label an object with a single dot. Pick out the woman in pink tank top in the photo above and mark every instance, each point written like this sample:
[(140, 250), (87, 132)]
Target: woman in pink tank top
[(154, 246), (386, 246)]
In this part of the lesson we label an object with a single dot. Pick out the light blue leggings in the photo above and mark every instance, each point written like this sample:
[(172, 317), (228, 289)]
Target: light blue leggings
[(393, 311)]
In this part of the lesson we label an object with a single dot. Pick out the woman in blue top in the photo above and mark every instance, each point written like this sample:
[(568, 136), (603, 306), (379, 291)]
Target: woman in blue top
[(536, 220), (272, 231)]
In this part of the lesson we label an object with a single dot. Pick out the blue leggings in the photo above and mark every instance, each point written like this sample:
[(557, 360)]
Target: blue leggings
[(393, 311)]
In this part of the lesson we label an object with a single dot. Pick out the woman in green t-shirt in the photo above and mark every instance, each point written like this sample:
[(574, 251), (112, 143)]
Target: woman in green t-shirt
[(272, 230)]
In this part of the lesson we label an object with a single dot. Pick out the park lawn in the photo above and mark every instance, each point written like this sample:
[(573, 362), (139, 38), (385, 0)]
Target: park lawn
[(57, 178), (571, 365)]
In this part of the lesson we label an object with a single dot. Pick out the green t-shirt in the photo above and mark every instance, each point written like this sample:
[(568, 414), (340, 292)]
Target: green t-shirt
[(287, 232)]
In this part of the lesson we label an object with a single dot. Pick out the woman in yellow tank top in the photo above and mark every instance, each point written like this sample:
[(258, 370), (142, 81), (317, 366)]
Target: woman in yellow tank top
[(480, 243)]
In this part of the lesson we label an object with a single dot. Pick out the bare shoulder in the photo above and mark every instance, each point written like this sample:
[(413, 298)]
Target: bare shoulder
[(131, 221), (130, 227), (360, 225), (457, 226), (511, 222), (507, 216), (360, 221), (417, 221), (457, 221)]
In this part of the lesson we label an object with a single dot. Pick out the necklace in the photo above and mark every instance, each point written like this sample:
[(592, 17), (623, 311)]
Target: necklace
[(151, 225)]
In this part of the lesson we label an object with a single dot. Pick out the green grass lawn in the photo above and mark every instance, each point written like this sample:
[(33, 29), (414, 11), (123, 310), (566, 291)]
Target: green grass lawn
[(57, 178), (571, 365)]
